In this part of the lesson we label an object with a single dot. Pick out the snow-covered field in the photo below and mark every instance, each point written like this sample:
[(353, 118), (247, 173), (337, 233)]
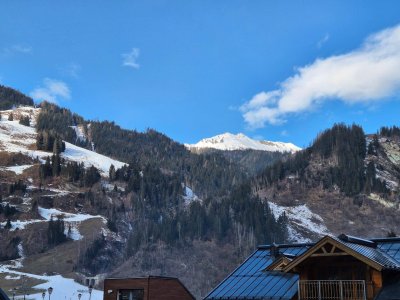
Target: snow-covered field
[(90, 158), (72, 221), (17, 169), (63, 288), (229, 141), (15, 138), (300, 217)]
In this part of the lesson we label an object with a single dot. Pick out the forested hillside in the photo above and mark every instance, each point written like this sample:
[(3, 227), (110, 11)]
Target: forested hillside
[(163, 202), (10, 98), (345, 171)]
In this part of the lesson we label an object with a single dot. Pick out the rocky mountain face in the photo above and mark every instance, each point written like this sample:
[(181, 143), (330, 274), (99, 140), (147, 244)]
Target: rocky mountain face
[(345, 182), (82, 198)]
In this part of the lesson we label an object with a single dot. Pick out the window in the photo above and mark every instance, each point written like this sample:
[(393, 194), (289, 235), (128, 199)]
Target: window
[(131, 294)]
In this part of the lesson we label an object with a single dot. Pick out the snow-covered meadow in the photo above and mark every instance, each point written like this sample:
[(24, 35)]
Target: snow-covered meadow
[(63, 288), (16, 138)]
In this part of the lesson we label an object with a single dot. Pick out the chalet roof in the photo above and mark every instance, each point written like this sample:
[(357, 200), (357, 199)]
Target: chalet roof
[(391, 246), (373, 253), (251, 280)]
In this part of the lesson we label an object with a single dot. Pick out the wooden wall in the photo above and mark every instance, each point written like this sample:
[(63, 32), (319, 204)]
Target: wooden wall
[(155, 288)]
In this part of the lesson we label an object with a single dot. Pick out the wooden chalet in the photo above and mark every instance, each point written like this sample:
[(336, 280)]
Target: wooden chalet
[(334, 268), (146, 288)]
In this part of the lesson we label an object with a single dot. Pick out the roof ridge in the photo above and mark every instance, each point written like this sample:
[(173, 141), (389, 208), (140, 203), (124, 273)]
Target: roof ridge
[(267, 246)]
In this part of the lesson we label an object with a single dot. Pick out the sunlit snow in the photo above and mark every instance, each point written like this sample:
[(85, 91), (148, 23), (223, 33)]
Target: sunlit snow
[(229, 141), (300, 216)]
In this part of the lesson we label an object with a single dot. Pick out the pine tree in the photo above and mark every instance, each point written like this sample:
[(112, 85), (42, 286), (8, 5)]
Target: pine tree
[(25, 121), (111, 173), (56, 165), (8, 225)]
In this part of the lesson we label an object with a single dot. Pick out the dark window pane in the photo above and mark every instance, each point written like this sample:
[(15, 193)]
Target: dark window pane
[(131, 294)]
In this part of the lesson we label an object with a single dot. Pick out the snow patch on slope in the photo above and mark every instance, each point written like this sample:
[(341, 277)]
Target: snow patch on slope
[(230, 142), (190, 196), (63, 288), (22, 111), (72, 221), (48, 213), (80, 132), (16, 138), (101, 162), (300, 217), (17, 169)]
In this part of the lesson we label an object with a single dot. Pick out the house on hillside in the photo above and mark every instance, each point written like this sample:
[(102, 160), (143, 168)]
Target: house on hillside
[(146, 288), (334, 268)]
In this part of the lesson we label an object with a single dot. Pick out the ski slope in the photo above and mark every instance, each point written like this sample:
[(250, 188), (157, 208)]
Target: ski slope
[(15, 138)]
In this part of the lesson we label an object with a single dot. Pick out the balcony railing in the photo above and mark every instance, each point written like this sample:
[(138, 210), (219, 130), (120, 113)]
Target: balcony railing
[(332, 290)]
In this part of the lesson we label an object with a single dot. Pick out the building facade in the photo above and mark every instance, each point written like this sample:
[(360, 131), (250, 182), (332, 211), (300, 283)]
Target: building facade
[(146, 288), (334, 268)]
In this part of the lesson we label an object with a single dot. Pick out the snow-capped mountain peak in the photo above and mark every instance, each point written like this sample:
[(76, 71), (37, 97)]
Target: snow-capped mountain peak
[(229, 142)]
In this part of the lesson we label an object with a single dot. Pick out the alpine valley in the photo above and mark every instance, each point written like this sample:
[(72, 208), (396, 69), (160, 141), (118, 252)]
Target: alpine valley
[(87, 199)]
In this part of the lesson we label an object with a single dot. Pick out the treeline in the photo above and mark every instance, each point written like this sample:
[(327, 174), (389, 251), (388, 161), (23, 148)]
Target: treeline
[(241, 219), (71, 171), (390, 131), (342, 149), (10, 98), (50, 141), (209, 174), (58, 121), (99, 257), (56, 232), (7, 210)]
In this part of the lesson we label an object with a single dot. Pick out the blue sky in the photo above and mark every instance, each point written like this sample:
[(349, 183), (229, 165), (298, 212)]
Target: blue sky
[(277, 70)]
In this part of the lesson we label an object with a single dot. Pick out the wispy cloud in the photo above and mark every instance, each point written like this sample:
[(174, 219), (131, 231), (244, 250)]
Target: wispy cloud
[(322, 41), (284, 133), (367, 74), (72, 70), (16, 49), (130, 59), (52, 91)]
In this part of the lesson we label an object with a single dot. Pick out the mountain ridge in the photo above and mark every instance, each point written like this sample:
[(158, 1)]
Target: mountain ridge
[(231, 142)]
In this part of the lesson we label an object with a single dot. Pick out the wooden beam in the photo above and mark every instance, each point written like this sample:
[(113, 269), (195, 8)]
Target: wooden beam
[(329, 254), (333, 249), (339, 245), (323, 249)]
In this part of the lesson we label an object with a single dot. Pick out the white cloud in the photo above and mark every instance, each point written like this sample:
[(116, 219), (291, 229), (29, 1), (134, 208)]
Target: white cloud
[(15, 49), (130, 58), (368, 74), (322, 41), (72, 70), (52, 91)]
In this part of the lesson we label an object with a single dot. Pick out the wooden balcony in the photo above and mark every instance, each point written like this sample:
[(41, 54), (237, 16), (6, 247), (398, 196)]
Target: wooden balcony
[(332, 290)]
